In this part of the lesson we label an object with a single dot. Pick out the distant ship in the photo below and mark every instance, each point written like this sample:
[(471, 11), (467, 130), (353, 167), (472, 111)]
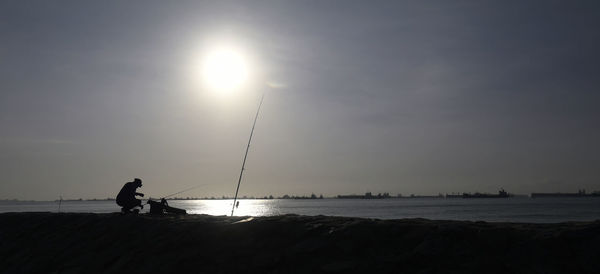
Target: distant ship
[(501, 194)]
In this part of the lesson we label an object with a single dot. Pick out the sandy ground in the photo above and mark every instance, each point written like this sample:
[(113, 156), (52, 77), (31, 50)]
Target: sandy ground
[(114, 243)]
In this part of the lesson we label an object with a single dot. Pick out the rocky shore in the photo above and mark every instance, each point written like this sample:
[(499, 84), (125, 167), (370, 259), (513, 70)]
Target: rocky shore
[(114, 243)]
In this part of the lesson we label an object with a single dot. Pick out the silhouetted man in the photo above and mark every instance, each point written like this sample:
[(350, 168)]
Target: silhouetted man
[(126, 197)]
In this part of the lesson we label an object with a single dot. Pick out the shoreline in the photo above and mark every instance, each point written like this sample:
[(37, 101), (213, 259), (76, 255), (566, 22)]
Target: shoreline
[(533, 195), (114, 243)]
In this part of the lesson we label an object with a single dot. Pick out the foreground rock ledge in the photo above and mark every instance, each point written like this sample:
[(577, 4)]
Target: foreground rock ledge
[(114, 243)]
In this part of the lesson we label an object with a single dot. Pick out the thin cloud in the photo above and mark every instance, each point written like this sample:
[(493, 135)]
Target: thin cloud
[(276, 85)]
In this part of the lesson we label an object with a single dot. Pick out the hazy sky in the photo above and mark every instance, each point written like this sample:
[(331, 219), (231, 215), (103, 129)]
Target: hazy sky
[(419, 97)]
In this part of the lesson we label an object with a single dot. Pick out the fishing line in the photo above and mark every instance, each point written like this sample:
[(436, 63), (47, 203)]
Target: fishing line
[(185, 190)]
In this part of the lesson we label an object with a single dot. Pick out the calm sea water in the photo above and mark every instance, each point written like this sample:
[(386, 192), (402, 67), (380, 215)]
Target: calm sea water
[(540, 210)]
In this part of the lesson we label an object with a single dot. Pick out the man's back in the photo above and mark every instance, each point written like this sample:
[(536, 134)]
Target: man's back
[(127, 192)]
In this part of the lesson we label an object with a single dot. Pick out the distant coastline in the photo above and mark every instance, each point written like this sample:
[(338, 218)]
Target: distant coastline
[(368, 195), (580, 193)]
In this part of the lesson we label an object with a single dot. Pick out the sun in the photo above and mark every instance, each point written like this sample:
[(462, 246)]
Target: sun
[(224, 69)]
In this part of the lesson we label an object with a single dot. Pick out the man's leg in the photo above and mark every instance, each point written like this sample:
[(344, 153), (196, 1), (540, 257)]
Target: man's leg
[(128, 205)]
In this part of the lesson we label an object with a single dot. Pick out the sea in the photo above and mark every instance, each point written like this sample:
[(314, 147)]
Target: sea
[(514, 209)]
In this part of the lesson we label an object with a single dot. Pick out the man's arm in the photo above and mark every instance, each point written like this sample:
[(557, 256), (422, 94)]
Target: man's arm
[(139, 194)]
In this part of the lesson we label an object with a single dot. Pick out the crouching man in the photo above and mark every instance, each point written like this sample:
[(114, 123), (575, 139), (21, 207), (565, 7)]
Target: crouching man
[(126, 197)]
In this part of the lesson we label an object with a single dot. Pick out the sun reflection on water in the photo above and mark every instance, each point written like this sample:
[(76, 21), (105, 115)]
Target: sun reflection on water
[(223, 207)]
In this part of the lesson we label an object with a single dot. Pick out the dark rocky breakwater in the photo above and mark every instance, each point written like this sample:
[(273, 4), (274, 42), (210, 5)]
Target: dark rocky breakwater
[(114, 243)]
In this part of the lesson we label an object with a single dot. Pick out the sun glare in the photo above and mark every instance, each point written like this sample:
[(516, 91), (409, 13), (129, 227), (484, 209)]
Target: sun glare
[(224, 70)]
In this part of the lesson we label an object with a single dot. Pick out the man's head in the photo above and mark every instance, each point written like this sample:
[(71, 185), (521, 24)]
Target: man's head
[(137, 182)]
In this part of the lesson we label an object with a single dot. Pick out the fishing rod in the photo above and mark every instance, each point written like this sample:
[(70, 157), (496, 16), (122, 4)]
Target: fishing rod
[(163, 207), (185, 190), (246, 155)]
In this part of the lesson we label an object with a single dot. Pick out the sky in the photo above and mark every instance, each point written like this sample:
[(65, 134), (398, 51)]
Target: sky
[(410, 97)]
